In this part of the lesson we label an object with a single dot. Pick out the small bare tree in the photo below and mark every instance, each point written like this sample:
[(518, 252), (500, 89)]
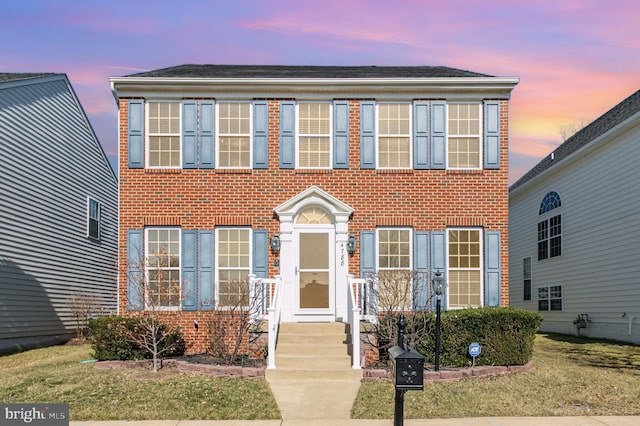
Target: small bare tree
[(83, 306), (398, 292), (237, 324), (155, 288)]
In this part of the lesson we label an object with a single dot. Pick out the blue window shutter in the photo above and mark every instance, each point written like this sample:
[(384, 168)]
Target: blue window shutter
[(341, 134), (439, 259), (438, 135), (367, 135), (207, 140), (188, 270), (492, 135), (421, 135), (205, 270), (421, 266), (287, 135), (367, 253), (260, 135), (136, 134), (189, 135), (492, 268), (260, 253), (135, 277)]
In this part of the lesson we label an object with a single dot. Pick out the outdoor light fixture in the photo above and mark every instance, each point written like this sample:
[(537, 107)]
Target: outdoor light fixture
[(438, 288), (275, 243), (438, 284), (351, 244)]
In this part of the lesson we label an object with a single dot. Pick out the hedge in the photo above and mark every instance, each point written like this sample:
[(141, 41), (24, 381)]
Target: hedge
[(110, 341), (506, 336)]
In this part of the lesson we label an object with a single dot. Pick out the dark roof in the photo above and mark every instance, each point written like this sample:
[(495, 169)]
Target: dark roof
[(303, 71), (13, 76), (588, 134)]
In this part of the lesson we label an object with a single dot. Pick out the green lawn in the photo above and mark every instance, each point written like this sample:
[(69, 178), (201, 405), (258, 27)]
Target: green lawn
[(576, 377), (572, 377), (56, 375)]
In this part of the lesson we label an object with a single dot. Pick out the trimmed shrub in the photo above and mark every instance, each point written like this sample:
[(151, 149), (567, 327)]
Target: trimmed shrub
[(110, 339), (505, 334)]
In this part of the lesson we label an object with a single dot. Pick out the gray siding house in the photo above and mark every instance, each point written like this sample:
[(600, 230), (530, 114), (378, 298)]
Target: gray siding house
[(574, 228), (58, 211)]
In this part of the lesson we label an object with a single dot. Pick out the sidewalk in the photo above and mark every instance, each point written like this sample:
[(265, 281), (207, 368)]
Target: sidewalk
[(475, 421)]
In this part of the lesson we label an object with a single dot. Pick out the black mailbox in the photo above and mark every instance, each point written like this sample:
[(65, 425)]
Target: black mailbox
[(407, 369)]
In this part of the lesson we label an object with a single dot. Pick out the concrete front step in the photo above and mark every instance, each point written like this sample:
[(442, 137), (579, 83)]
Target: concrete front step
[(301, 375), (313, 362), (310, 349)]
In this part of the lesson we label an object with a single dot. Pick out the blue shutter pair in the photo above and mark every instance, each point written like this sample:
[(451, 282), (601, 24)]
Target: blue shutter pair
[(197, 267), (340, 134), (198, 122)]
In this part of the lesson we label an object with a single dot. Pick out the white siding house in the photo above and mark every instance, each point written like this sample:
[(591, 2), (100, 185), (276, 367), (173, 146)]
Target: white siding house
[(58, 211), (574, 227)]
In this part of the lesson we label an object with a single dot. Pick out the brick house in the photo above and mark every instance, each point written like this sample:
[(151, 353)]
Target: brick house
[(311, 174)]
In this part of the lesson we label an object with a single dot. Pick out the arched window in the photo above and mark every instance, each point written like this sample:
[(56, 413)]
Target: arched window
[(550, 228), (550, 201), (314, 216)]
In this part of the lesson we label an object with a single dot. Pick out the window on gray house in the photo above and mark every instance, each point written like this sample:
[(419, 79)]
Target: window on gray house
[(93, 218), (526, 274), (550, 227), (550, 298)]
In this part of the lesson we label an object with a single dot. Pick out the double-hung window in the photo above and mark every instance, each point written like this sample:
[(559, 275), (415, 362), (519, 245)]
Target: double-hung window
[(526, 276), (550, 227), (93, 218), (394, 135), (162, 267), (233, 266), (465, 268), (550, 298), (234, 134), (163, 119), (394, 268), (464, 143), (314, 135)]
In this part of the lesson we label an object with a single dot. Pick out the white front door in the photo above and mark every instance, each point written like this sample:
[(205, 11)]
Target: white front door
[(315, 285)]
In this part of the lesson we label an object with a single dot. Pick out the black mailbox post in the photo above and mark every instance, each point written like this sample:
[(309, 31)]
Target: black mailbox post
[(407, 371)]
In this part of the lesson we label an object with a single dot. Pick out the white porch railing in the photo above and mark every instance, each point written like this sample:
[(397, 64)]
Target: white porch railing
[(265, 292), (365, 298), (353, 310)]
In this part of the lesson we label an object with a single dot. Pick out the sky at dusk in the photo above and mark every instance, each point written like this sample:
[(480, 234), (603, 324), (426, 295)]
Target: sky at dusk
[(575, 58)]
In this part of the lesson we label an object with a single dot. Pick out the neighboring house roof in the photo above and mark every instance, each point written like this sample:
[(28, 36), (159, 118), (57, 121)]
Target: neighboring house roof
[(13, 76), (303, 71), (612, 118)]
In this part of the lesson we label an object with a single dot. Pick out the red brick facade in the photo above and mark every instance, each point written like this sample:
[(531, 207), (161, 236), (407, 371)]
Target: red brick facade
[(207, 198)]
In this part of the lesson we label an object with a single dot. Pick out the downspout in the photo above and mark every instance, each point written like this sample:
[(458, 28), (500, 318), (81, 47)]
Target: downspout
[(630, 321)]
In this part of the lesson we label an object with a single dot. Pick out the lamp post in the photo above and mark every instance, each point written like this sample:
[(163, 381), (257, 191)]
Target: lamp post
[(438, 289)]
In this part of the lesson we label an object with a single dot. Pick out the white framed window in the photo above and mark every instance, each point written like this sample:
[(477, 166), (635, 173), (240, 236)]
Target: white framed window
[(233, 266), (550, 298), (314, 126), (394, 267), (93, 218), (162, 268), (464, 135), (394, 135), (464, 267), (526, 278), (550, 227), (163, 134), (233, 147)]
